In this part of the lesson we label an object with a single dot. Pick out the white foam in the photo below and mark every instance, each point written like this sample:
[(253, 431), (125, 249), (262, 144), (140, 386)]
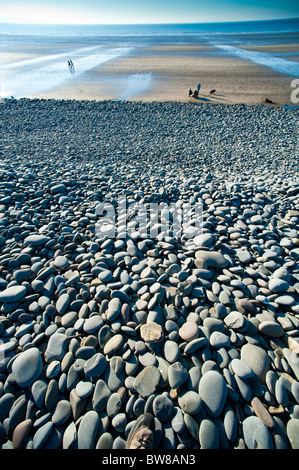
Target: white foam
[(135, 84), (45, 73), (263, 58)]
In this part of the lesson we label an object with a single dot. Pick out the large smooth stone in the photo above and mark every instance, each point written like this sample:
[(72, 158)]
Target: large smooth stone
[(36, 240), (88, 430), (147, 381), (208, 435), (27, 367), (256, 358), (213, 391), (13, 294), (190, 402), (207, 259), (256, 434)]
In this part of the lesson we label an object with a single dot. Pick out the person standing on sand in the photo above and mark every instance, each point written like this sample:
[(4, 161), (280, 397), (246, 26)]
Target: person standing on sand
[(198, 87)]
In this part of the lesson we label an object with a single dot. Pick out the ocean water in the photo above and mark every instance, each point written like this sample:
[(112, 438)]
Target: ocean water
[(48, 48)]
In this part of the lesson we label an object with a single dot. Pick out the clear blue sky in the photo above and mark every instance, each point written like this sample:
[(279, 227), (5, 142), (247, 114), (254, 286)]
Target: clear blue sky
[(144, 11)]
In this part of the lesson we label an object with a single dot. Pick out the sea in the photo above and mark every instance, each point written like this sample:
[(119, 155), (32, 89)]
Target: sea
[(40, 53)]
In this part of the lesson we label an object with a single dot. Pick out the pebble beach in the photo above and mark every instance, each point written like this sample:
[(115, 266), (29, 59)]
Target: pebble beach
[(203, 331)]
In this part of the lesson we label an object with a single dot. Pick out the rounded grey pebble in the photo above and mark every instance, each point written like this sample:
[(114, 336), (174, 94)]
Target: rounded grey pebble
[(190, 402), (256, 435), (208, 435), (87, 430), (213, 392), (105, 441), (27, 367), (61, 412)]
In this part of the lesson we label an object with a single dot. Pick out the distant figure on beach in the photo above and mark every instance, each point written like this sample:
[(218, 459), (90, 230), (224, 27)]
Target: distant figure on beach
[(212, 92), (71, 66), (198, 86), (190, 92)]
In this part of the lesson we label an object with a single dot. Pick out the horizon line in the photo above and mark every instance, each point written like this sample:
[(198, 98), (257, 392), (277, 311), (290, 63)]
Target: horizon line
[(147, 24)]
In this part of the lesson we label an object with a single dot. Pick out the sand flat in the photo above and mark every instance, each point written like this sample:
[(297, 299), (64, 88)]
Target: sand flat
[(170, 77)]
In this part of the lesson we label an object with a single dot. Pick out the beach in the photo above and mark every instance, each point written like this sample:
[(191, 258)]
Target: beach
[(166, 73), (148, 63), (149, 240), (191, 316)]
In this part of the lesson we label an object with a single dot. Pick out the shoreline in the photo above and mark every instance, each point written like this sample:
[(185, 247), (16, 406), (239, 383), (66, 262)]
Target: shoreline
[(165, 73), (193, 101)]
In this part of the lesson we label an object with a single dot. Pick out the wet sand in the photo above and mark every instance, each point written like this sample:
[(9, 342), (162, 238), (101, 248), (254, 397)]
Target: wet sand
[(166, 72)]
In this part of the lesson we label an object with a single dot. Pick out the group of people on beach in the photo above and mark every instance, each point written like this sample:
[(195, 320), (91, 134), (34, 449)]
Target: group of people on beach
[(71, 66), (195, 93)]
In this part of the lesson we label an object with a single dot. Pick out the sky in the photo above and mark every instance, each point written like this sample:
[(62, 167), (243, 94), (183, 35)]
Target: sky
[(143, 11)]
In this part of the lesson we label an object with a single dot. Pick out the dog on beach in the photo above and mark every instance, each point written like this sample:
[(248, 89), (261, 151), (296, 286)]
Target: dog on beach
[(212, 92)]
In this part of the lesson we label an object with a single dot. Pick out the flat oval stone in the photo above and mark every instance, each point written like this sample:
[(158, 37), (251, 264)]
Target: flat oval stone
[(114, 308), (113, 344), (208, 435), (190, 402), (93, 323), (256, 434), (271, 328), (88, 429), (36, 240), (207, 259), (171, 351), (61, 262), (256, 358), (194, 345), (219, 340), (13, 294), (189, 331), (42, 435), (262, 412), (84, 388), (277, 285), (177, 422), (213, 391), (147, 381), (241, 369), (21, 433), (27, 367), (62, 303), (230, 423)]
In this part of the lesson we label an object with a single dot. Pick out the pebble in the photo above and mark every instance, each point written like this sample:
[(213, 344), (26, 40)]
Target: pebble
[(256, 434), (208, 435), (189, 331), (27, 367), (13, 294), (256, 358), (177, 375), (213, 391), (190, 402), (87, 430), (147, 381), (94, 331)]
